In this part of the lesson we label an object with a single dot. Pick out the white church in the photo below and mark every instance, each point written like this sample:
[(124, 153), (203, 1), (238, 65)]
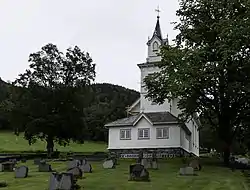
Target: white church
[(150, 126)]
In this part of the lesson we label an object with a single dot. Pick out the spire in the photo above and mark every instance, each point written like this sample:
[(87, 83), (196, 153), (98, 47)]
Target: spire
[(157, 31)]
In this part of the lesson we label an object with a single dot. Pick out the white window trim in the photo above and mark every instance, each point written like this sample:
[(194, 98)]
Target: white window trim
[(162, 128), (143, 129), (126, 131)]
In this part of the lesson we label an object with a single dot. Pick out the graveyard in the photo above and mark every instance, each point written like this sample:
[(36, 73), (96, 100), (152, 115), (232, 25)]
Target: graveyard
[(166, 177)]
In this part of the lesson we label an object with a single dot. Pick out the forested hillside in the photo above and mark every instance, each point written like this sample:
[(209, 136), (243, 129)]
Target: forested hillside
[(107, 102)]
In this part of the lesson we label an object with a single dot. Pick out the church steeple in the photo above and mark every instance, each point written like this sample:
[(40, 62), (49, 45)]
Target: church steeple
[(157, 31)]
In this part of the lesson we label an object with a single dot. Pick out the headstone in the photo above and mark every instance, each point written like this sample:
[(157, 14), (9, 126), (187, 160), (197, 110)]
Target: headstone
[(44, 167), (7, 166), (145, 163), (154, 165), (86, 168), (37, 161), (195, 164), (140, 157), (187, 171), (138, 173), (21, 172), (73, 164), (76, 171), (63, 181), (108, 164)]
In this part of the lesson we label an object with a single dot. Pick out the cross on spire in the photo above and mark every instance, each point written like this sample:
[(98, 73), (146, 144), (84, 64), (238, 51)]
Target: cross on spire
[(158, 11)]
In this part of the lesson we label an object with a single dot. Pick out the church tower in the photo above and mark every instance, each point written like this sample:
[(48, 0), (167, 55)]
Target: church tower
[(155, 42), (149, 67)]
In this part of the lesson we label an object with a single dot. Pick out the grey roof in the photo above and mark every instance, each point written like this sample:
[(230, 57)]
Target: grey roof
[(161, 117), (154, 117)]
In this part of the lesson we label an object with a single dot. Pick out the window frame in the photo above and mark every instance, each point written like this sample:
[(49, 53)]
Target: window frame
[(162, 132), (155, 46), (143, 129), (125, 134)]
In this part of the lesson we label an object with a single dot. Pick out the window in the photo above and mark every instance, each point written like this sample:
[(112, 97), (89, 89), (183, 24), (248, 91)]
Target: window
[(162, 133), (125, 134), (144, 133), (155, 46)]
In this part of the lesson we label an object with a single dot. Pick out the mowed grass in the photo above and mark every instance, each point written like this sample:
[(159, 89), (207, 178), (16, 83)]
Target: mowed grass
[(166, 178), (11, 143)]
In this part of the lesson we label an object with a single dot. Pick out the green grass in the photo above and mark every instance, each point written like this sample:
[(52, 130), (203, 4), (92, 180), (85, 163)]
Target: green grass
[(166, 178), (11, 143)]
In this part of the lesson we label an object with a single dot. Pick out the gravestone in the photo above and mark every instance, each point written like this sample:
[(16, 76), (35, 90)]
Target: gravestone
[(187, 171), (108, 164), (37, 161), (146, 163), (86, 168), (44, 167), (21, 172), (140, 157), (154, 165), (195, 164), (83, 161), (137, 172), (63, 181), (73, 164), (7, 166), (76, 171)]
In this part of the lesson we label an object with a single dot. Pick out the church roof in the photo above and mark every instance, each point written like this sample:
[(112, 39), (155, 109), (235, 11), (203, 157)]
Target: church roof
[(155, 118)]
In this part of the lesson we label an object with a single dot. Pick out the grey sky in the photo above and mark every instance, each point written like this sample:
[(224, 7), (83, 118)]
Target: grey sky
[(114, 32)]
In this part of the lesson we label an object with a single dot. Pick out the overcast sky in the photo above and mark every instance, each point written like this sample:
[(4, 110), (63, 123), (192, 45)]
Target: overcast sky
[(114, 32)]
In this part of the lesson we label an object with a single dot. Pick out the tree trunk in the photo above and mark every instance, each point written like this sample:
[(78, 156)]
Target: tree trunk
[(226, 155), (50, 146)]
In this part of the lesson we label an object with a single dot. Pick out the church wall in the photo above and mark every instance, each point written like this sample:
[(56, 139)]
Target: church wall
[(136, 109), (153, 142)]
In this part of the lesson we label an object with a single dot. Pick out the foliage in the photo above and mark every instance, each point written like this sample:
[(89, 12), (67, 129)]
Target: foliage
[(51, 105), (208, 68)]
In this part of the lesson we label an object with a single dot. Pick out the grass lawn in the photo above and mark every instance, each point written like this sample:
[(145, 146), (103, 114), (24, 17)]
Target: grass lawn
[(10, 143), (166, 178)]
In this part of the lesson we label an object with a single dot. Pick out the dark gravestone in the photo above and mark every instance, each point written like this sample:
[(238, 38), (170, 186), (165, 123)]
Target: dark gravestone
[(108, 164), (83, 161), (76, 171), (21, 172), (7, 166), (44, 167), (63, 181), (86, 168), (195, 164), (137, 172), (140, 157), (37, 161)]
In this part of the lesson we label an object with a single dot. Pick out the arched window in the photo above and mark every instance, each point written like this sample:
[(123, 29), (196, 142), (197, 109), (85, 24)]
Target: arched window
[(155, 46)]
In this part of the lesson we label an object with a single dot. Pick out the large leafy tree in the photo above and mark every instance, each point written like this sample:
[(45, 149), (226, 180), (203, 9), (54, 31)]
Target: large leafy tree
[(208, 67), (50, 106)]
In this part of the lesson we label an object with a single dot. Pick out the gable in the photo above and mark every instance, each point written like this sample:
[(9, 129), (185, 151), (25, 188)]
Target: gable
[(142, 118)]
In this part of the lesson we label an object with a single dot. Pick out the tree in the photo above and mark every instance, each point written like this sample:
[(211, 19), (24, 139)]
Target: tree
[(54, 94), (208, 67)]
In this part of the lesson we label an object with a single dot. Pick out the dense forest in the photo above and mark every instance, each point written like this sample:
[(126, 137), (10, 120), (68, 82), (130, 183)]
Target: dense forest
[(107, 102)]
